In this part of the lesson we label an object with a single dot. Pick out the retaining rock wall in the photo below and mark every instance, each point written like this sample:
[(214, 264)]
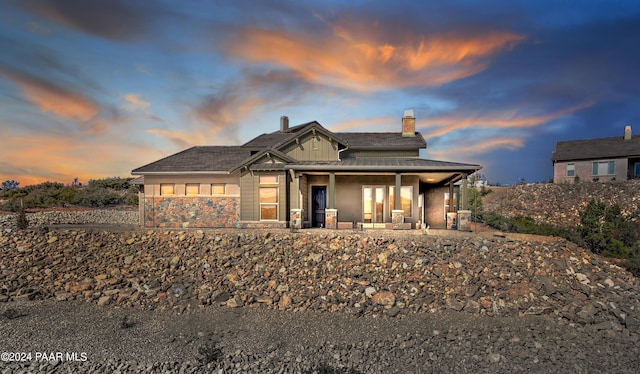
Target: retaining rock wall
[(560, 204), (83, 217)]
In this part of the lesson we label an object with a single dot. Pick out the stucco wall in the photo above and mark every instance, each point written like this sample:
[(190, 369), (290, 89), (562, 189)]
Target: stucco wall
[(152, 183), (434, 207)]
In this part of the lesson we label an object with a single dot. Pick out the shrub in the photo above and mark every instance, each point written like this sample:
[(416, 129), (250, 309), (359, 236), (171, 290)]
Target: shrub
[(210, 352), (21, 220)]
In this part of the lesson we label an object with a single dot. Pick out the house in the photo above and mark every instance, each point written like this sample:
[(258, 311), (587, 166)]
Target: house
[(602, 159), (305, 176)]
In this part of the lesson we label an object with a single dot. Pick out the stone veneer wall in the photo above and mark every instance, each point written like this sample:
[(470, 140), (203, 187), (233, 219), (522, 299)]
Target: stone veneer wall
[(184, 212)]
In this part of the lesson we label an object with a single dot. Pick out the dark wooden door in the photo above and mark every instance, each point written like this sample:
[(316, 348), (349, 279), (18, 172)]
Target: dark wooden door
[(318, 205)]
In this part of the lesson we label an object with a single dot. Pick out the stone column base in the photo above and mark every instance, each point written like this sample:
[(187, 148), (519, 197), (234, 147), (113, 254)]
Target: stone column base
[(331, 218), (296, 219), (464, 220), (397, 219)]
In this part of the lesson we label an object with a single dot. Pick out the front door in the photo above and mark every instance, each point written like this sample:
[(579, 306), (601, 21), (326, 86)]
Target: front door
[(318, 205)]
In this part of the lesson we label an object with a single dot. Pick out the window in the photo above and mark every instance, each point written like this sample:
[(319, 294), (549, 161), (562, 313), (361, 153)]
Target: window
[(269, 203), (167, 189), (603, 168), (268, 198), (373, 204), (571, 170), (218, 189), (268, 179), (450, 204), (192, 189), (406, 199)]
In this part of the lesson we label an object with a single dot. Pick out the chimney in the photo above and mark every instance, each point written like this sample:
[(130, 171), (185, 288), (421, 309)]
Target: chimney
[(408, 123), (627, 133), (284, 123)]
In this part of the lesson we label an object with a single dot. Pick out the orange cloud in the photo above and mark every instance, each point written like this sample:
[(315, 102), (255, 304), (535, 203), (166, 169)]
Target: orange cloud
[(53, 99), (32, 159), (179, 138), (438, 126), (349, 61), (460, 152), (367, 124), (136, 103)]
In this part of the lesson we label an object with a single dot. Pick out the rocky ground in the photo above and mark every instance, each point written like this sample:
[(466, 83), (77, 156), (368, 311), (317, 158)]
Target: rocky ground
[(314, 301)]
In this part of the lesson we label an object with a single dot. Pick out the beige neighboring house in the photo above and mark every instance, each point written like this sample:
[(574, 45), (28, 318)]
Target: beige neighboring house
[(305, 176), (602, 159)]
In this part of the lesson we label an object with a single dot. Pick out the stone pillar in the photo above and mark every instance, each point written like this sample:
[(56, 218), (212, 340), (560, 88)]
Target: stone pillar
[(451, 221), (331, 218), (296, 219), (397, 219), (464, 220)]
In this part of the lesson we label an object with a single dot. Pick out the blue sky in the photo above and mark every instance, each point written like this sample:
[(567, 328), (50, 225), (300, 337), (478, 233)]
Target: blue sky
[(93, 89)]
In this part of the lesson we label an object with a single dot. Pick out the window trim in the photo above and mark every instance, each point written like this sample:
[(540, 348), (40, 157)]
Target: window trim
[(224, 188), (277, 177), (611, 168), (276, 204), (186, 189), (173, 189), (572, 170)]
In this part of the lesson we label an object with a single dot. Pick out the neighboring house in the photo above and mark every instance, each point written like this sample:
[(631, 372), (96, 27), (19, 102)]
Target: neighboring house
[(304, 176), (603, 159)]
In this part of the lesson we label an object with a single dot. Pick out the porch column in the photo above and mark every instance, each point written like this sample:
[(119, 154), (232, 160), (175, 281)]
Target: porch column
[(464, 215), (397, 194), (451, 215), (332, 188), (464, 200)]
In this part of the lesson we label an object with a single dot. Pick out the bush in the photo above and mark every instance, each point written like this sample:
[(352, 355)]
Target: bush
[(603, 230), (98, 194), (21, 220)]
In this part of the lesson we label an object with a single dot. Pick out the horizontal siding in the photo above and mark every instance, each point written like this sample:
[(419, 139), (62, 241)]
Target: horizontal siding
[(248, 197), (305, 150)]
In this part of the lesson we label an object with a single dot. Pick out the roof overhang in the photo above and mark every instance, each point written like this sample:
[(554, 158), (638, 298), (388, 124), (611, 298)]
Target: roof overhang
[(217, 172)]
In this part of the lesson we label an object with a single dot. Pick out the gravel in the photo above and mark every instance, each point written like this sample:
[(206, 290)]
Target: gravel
[(219, 339), (314, 302)]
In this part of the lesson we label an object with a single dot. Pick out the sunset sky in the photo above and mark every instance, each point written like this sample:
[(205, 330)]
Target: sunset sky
[(93, 89)]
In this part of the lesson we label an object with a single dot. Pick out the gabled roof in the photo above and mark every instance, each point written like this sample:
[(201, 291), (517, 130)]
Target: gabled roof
[(197, 159), (227, 159), (272, 154), (278, 139), (601, 148)]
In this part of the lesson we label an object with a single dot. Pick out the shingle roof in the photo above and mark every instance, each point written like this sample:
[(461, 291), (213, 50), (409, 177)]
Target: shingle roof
[(600, 148), (384, 164), (381, 140), (266, 140), (198, 159), (229, 158)]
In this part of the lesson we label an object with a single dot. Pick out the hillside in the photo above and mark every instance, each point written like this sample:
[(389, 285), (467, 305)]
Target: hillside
[(559, 204)]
